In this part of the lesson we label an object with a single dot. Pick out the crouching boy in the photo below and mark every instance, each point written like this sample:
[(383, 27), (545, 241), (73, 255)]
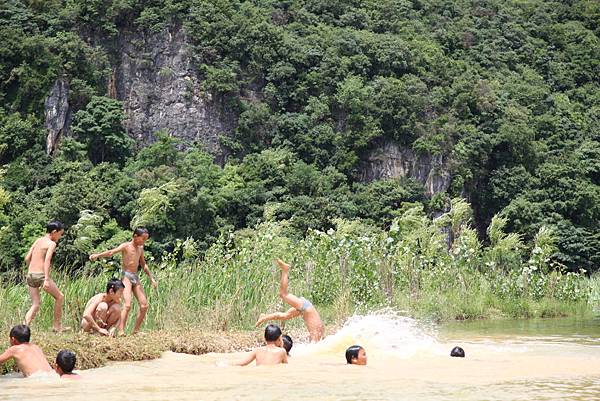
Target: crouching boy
[(103, 311)]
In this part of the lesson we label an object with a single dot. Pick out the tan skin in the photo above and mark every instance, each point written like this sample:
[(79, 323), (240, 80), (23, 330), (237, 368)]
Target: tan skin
[(270, 354), (103, 313), (28, 357), (361, 360), (133, 257), (39, 260), (311, 317)]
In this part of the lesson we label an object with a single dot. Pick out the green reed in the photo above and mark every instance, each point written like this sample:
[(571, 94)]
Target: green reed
[(354, 267)]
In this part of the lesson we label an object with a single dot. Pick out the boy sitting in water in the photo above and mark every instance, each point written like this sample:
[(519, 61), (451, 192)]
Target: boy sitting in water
[(65, 363), (133, 258), (299, 307), (270, 354), (29, 357), (356, 355), (103, 311), (287, 343)]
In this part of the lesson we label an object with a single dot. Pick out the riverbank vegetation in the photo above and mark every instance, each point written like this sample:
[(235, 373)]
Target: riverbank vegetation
[(428, 268), (504, 94)]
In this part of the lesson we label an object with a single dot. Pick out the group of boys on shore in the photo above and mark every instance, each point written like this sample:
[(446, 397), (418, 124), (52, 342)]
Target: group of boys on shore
[(104, 315)]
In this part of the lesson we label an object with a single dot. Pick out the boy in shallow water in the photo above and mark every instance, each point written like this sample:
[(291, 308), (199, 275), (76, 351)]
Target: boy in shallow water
[(29, 357), (133, 258), (65, 363), (299, 307), (270, 354), (103, 311), (356, 355), (39, 262)]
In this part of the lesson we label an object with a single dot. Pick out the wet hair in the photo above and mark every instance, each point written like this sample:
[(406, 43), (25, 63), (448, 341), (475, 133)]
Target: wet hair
[(54, 225), (287, 343), (66, 360), (114, 284), (272, 333), (21, 333), (140, 231), (352, 353), (457, 352)]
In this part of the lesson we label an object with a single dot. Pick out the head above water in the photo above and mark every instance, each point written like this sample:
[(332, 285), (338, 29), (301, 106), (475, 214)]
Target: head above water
[(65, 361), (114, 285), (55, 229), (356, 355), (287, 343), (20, 334), (272, 333), (457, 352), (140, 235)]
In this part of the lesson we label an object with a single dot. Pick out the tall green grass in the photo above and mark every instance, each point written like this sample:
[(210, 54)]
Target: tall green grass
[(353, 267)]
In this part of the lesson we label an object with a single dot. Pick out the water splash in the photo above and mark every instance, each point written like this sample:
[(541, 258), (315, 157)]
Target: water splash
[(383, 333)]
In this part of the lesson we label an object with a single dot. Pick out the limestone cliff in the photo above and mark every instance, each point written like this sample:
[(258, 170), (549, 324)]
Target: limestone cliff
[(161, 90), (388, 160), (155, 77)]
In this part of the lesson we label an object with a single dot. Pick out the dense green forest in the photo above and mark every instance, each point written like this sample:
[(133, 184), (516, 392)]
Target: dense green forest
[(506, 91)]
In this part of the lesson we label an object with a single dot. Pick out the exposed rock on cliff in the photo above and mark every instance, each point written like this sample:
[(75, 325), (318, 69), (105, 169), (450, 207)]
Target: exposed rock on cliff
[(388, 160), (159, 85), (58, 114)]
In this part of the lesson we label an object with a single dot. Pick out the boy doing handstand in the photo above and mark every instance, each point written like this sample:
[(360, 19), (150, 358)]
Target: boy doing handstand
[(103, 311), (299, 306), (133, 257)]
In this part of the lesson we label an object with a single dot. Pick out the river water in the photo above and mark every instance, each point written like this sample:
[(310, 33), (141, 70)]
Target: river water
[(556, 359)]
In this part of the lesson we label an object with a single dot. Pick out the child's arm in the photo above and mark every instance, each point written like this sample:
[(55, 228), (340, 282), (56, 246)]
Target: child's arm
[(107, 254), (147, 270), (290, 314), (8, 354), (28, 256), (284, 357), (247, 360), (48, 262), (89, 317)]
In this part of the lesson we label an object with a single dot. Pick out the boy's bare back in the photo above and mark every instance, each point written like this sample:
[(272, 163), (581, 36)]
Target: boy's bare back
[(38, 253), (270, 355), (30, 359)]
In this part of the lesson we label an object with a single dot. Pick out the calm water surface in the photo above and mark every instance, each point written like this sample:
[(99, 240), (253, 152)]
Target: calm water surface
[(408, 360)]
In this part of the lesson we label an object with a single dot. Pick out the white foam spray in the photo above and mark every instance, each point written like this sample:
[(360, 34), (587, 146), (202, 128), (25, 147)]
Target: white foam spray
[(382, 333)]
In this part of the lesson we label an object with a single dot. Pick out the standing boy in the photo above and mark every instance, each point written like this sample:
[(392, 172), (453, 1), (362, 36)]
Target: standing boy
[(39, 262), (103, 311), (299, 307), (133, 257), (29, 357)]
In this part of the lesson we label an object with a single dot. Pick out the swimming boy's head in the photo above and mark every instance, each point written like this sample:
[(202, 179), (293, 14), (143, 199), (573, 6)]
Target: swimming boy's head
[(20, 334), (114, 289), (55, 229), (356, 355), (287, 343), (457, 352), (140, 235), (272, 334), (65, 362)]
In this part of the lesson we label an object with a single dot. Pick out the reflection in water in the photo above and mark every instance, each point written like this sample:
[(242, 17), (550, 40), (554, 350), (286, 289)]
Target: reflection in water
[(407, 361)]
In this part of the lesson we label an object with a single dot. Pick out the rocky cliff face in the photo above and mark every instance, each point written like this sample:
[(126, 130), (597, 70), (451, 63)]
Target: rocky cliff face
[(159, 85), (57, 113), (388, 160)]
